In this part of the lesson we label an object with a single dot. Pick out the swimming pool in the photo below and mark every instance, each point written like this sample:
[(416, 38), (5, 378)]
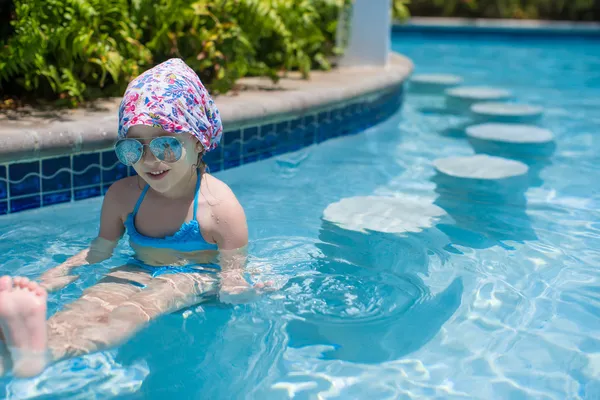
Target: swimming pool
[(492, 299)]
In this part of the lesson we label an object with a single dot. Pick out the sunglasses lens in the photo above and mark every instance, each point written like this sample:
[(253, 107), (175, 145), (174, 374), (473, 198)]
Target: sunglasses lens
[(167, 149), (129, 151)]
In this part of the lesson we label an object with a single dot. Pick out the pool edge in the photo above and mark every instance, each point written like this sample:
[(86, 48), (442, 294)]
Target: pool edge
[(68, 161)]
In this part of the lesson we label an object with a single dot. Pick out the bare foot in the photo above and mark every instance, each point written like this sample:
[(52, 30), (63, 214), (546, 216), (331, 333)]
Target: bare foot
[(5, 364), (23, 322)]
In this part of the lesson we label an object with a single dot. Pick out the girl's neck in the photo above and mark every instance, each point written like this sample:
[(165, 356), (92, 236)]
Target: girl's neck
[(185, 188)]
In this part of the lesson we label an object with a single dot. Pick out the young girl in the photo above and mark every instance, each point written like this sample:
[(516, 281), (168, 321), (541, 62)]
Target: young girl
[(178, 219)]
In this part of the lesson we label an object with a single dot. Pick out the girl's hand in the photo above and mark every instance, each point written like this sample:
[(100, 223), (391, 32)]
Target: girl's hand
[(242, 292)]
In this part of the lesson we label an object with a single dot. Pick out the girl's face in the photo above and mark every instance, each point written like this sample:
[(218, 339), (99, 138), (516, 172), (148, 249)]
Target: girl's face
[(164, 176)]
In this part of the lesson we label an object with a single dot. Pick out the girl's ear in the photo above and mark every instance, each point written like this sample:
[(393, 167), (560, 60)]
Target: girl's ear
[(199, 148)]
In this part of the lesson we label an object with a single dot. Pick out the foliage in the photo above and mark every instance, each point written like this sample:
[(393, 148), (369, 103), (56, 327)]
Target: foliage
[(78, 49), (400, 9), (520, 9)]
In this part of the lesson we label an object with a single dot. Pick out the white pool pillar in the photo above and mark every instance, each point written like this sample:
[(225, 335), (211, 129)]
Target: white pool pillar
[(369, 41)]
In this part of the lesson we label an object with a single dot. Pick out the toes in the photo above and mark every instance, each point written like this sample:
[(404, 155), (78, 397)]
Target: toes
[(32, 286), (5, 283), (21, 282), (40, 291)]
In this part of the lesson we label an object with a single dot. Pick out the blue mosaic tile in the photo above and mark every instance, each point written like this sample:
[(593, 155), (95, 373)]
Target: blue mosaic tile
[(268, 134), (214, 159), (294, 140), (290, 141), (90, 163), (337, 115), (267, 153), (115, 173), (309, 136), (25, 203), (232, 148), (281, 150), (231, 163), (296, 124), (211, 169), (282, 127), (116, 170), (252, 142), (86, 193), (310, 129), (238, 147), (267, 130), (251, 158), (348, 111), (310, 119), (3, 184), (270, 140), (29, 185), (325, 130), (56, 198), (52, 180), (323, 117)]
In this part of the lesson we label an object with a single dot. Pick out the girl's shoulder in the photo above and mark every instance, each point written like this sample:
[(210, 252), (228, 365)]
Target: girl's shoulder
[(215, 190), (123, 194)]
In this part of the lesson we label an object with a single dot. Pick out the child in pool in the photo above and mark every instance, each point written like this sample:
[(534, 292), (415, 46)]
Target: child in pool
[(178, 219)]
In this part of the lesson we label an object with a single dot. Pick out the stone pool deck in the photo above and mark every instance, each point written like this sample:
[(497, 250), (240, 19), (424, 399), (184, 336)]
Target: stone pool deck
[(34, 134)]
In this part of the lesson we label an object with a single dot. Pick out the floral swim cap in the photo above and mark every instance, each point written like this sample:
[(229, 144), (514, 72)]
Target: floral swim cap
[(172, 97)]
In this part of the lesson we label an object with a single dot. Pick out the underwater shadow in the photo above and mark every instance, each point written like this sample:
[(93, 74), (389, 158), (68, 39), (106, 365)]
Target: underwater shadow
[(486, 212), (369, 302), (537, 156)]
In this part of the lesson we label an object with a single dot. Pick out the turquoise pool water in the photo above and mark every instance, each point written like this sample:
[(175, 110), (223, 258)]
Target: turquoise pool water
[(495, 299)]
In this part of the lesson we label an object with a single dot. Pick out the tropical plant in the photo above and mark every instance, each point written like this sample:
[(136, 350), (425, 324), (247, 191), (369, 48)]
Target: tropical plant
[(521, 9), (77, 49)]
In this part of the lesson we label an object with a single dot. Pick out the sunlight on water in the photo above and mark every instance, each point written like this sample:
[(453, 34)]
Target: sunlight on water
[(399, 274)]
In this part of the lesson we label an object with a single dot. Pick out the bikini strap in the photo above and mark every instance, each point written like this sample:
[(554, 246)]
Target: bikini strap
[(197, 192), (141, 198)]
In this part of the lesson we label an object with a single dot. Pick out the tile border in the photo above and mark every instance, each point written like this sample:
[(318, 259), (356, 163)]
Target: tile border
[(85, 174), (532, 28)]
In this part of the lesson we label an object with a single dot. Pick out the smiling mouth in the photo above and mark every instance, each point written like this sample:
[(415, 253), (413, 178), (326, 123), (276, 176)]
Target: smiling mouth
[(157, 174)]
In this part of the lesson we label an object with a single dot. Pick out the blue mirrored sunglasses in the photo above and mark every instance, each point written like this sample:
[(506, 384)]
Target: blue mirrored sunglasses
[(165, 148)]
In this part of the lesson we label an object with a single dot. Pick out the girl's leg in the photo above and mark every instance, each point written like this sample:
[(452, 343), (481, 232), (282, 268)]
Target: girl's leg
[(66, 328), (23, 324), (107, 314), (23, 317), (164, 294)]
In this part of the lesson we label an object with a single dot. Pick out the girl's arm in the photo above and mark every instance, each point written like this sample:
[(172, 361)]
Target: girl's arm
[(231, 236), (101, 248)]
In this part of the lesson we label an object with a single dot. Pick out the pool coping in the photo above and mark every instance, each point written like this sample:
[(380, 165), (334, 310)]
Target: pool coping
[(40, 134), (499, 26), (66, 156)]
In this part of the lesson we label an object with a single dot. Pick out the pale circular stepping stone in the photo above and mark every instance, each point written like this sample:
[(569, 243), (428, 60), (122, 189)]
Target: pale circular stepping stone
[(506, 112), (481, 167), (463, 97), (433, 83), (523, 142), (510, 133), (384, 214)]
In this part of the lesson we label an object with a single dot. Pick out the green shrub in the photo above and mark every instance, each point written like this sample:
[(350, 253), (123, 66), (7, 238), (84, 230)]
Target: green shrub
[(78, 49), (520, 9)]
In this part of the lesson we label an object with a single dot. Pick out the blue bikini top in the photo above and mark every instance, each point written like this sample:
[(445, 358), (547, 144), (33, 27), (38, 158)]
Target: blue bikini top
[(187, 238)]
